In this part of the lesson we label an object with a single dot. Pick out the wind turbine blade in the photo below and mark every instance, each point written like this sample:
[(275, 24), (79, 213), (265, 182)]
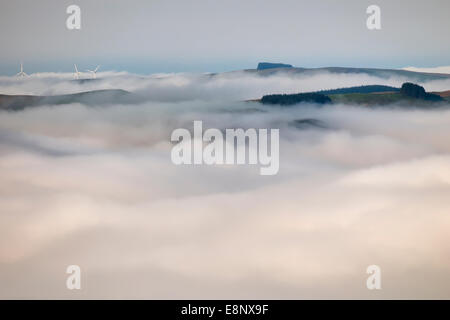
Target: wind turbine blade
[(96, 69)]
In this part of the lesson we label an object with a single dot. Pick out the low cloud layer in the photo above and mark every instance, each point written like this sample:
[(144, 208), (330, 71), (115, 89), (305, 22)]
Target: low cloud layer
[(443, 69), (179, 87), (96, 187)]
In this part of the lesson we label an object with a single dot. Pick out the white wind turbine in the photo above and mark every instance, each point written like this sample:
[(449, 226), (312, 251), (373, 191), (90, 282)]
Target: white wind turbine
[(21, 73), (94, 72), (77, 73)]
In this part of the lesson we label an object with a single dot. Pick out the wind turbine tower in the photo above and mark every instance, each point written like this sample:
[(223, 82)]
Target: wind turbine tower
[(77, 73), (94, 72), (21, 73)]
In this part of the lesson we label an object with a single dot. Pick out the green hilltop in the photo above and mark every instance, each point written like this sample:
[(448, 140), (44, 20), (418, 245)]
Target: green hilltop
[(373, 95)]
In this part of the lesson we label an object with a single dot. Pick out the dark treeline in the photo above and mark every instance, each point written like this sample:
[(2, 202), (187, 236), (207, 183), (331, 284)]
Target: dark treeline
[(415, 91), (290, 99), (270, 65)]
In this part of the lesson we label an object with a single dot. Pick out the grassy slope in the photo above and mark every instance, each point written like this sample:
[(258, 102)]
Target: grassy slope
[(367, 98)]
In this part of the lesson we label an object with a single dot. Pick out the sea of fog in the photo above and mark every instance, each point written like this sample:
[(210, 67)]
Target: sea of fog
[(95, 187)]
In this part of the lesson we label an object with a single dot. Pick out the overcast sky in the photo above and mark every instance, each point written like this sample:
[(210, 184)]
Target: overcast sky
[(146, 36)]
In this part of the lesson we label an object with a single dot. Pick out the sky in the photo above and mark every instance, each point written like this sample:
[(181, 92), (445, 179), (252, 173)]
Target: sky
[(144, 36)]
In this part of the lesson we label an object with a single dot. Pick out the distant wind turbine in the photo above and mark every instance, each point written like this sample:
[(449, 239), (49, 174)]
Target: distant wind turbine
[(21, 73), (94, 72), (77, 73)]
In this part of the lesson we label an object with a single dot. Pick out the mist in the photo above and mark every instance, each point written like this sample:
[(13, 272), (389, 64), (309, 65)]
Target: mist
[(179, 87), (95, 187)]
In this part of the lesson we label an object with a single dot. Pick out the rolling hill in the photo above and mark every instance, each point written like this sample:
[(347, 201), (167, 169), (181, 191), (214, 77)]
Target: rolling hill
[(375, 95), (96, 97), (381, 73)]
